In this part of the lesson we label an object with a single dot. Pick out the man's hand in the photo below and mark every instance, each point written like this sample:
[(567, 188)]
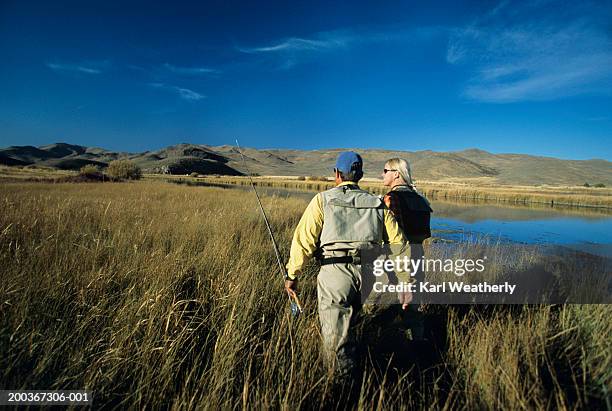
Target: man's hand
[(291, 288), (405, 298)]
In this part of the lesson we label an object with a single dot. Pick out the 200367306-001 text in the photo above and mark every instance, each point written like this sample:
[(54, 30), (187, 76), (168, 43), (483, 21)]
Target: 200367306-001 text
[(45, 397)]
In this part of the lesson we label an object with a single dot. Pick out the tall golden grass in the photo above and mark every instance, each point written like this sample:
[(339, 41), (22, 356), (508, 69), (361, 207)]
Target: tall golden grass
[(158, 295)]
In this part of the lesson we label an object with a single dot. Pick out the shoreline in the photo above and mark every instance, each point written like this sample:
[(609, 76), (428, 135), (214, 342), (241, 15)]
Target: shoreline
[(555, 197)]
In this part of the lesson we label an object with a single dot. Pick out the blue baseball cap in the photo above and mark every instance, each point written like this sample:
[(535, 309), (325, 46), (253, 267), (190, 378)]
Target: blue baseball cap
[(348, 161)]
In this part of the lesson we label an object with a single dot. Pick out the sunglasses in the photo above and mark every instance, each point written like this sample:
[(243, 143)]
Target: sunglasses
[(385, 170)]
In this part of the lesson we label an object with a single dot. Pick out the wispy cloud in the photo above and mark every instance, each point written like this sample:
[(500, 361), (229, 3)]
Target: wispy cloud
[(293, 49), (514, 54), (190, 71), (326, 41), (184, 93), (87, 68), (136, 67)]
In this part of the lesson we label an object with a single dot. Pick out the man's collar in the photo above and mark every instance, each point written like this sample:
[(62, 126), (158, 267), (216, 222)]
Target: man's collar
[(347, 183)]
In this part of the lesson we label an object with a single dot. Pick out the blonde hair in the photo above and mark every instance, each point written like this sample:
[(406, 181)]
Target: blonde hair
[(403, 168)]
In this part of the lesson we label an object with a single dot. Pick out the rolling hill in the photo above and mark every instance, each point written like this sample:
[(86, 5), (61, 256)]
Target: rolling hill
[(471, 165)]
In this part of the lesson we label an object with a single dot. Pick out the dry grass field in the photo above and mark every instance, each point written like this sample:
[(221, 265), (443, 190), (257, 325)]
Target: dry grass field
[(17, 174), (168, 296)]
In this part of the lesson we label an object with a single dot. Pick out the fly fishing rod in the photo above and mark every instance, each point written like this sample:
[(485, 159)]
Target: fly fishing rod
[(296, 307)]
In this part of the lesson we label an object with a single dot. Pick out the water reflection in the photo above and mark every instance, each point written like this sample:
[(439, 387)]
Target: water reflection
[(472, 212), (540, 225)]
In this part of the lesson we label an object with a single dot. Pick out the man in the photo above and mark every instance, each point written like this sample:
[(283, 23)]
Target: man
[(335, 226)]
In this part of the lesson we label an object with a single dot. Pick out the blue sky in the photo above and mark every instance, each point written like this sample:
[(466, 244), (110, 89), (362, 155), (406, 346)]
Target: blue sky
[(522, 77)]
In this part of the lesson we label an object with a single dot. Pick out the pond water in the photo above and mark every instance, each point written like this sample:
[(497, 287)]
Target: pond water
[(506, 223), (521, 224)]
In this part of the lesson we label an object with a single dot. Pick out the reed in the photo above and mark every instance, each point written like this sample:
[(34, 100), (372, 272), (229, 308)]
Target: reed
[(166, 296)]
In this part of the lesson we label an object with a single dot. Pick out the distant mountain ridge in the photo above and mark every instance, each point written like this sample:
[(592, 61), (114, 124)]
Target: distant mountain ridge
[(467, 165)]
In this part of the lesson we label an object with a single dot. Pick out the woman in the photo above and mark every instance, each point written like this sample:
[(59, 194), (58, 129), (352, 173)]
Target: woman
[(412, 212)]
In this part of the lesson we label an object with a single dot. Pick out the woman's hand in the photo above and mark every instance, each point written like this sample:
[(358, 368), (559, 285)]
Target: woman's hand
[(405, 298)]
